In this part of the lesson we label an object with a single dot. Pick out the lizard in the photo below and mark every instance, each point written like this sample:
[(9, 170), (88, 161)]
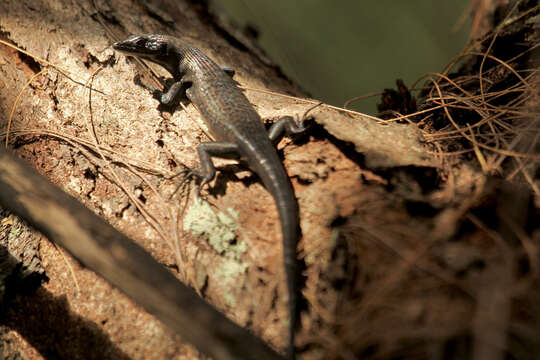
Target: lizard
[(238, 129)]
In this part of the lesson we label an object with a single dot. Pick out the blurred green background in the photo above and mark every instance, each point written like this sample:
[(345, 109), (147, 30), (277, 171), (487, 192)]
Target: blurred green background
[(337, 50)]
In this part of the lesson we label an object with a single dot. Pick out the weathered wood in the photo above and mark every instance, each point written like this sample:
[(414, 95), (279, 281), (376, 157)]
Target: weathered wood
[(392, 256), (123, 263)]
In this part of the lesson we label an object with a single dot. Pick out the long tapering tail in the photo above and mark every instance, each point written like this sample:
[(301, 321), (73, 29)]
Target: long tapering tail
[(273, 175)]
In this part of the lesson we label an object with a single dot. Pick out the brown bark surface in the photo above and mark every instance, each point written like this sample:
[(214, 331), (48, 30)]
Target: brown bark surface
[(406, 252)]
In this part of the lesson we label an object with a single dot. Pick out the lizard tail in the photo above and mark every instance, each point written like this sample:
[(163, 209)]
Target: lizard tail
[(277, 182)]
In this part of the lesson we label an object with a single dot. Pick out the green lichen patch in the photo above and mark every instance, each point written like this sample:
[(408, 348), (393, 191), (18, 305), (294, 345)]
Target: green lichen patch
[(219, 228)]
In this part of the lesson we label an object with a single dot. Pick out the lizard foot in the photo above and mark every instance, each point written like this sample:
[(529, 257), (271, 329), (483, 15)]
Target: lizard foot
[(188, 175)]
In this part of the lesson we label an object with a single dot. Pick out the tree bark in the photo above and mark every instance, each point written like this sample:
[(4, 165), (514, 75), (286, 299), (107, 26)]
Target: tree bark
[(122, 263), (399, 246)]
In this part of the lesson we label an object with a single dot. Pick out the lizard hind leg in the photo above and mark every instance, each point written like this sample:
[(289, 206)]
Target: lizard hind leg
[(207, 170), (186, 175)]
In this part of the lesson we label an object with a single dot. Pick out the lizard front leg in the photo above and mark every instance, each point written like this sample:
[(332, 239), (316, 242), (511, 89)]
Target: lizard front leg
[(229, 71), (177, 88), (285, 126)]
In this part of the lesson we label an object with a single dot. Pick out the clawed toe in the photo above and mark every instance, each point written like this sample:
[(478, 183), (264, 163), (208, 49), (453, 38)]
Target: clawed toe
[(187, 175)]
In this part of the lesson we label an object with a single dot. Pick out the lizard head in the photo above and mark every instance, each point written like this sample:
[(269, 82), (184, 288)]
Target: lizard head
[(143, 45), (152, 47)]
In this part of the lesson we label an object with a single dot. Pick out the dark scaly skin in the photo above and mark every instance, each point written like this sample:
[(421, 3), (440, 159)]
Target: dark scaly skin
[(233, 121)]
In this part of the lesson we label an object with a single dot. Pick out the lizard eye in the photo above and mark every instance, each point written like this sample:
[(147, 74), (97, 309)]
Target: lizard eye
[(153, 46), (140, 42)]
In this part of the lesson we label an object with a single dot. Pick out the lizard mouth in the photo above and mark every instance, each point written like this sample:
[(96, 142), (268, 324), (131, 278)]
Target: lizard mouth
[(133, 50), (128, 50), (121, 46)]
